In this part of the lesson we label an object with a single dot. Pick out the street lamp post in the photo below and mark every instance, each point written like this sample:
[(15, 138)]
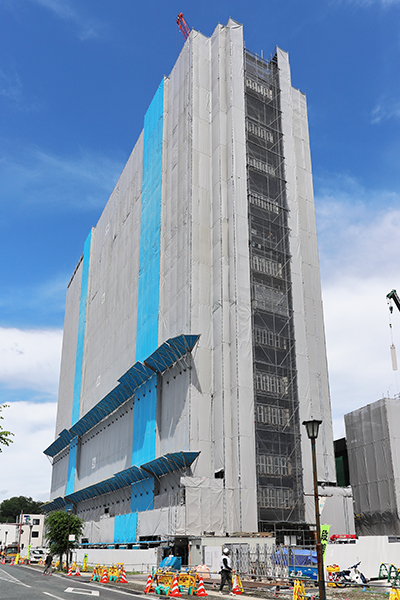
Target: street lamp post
[(69, 513), (312, 432)]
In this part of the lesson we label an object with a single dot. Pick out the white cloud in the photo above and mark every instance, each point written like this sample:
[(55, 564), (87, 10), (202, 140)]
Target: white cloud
[(384, 110), (46, 298), (30, 359), (384, 3), (359, 250), (82, 181), (10, 86), (358, 342), (25, 470), (65, 10)]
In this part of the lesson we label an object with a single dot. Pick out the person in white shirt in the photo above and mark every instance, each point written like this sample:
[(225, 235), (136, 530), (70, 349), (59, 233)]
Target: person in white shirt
[(226, 571)]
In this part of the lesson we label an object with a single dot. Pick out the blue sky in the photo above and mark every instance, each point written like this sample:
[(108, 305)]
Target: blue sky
[(76, 77)]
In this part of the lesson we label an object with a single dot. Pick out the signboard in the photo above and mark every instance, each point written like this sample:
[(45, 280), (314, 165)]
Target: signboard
[(324, 539)]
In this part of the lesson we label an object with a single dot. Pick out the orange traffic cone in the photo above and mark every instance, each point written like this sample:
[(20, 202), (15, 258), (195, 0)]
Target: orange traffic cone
[(148, 589), (122, 578), (200, 588), (174, 589), (69, 574), (104, 577), (77, 572), (236, 589)]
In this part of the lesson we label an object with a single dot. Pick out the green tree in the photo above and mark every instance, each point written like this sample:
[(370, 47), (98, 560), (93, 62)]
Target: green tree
[(11, 509), (4, 435), (56, 532)]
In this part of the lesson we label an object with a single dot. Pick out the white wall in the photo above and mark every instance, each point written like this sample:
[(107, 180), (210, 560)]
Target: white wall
[(134, 560), (371, 550)]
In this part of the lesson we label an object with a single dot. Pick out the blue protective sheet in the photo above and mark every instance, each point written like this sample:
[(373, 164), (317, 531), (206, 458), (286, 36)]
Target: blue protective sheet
[(150, 226), (125, 527), (144, 424), (173, 563), (296, 557), (73, 448), (81, 332), (142, 495)]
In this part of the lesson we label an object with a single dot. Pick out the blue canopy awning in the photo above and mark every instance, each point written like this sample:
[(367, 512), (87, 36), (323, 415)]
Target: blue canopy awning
[(163, 358), (116, 482), (56, 504), (170, 462), (157, 467), (61, 442), (170, 352)]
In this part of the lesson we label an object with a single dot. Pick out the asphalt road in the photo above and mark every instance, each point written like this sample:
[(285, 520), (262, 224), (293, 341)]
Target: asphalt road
[(20, 583)]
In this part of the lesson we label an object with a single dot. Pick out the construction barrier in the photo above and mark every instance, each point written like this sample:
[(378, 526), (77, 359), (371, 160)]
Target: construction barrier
[(104, 574), (390, 573), (161, 582), (394, 594), (237, 587), (330, 570), (299, 592)]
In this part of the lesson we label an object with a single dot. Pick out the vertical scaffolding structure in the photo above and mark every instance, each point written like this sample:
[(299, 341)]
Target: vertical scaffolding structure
[(278, 451)]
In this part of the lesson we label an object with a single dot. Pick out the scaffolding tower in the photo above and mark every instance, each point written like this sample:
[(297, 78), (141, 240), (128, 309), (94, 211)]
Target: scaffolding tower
[(278, 453)]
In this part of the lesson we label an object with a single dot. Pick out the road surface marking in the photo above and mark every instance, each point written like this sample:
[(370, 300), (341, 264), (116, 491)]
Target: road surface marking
[(52, 596), (83, 592), (117, 591), (12, 579)]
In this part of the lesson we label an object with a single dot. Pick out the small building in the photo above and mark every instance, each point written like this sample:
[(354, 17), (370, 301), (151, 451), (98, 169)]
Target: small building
[(29, 527)]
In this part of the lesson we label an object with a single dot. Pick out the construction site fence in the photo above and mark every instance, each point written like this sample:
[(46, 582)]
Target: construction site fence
[(271, 562)]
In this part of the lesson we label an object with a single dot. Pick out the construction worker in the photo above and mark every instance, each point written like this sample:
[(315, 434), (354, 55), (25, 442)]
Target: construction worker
[(226, 571)]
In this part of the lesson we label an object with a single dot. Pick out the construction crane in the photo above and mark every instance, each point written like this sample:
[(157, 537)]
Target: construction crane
[(393, 296), (183, 26)]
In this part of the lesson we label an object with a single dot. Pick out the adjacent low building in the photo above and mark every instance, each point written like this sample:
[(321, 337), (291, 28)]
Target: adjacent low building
[(28, 530), (373, 447)]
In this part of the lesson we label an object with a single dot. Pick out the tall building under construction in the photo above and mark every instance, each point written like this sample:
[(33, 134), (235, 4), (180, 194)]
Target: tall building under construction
[(194, 342)]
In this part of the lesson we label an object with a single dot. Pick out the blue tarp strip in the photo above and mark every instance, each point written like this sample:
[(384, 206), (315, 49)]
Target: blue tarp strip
[(144, 424), (135, 376), (150, 226), (145, 407), (81, 332), (73, 449), (142, 495), (125, 527)]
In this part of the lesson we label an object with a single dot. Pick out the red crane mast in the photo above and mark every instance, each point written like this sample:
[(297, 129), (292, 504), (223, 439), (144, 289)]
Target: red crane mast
[(183, 26)]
